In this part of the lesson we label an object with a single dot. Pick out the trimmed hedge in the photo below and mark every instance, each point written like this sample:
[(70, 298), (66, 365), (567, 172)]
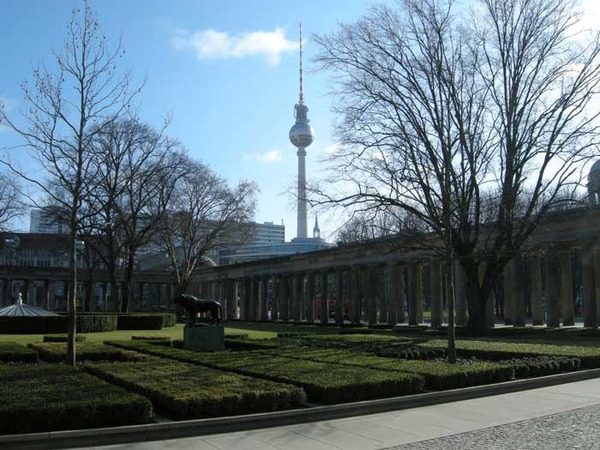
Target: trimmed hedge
[(493, 350), (51, 397), (86, 351), (540, 366), (140, 321), (13, 352), (188, 391), (56, 324), (86, 323), (63, 338), (438, 375), (322, 381)]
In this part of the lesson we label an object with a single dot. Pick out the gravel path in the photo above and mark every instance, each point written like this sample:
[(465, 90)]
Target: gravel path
[(576, 429)]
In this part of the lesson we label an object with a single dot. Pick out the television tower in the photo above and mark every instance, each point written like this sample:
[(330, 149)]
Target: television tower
[(301, 136)]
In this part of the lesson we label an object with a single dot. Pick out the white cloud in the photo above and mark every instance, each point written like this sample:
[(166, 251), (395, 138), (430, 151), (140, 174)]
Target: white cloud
[(212, 44), (269, 157)]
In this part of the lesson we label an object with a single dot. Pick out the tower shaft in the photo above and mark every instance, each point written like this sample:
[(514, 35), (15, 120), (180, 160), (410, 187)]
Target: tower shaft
[(302, 217)]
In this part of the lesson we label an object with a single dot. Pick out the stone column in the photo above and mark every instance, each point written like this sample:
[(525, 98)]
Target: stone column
[(324, 296), (254, 299), (381, 293), (507, 293), (6, 289), (517, 291), (437, 311), (310, 296), (566, 288), (537, 306), (354, 295), (596, 264), (392, 293), (297, 299), (371, 295), (460, 297), (263, 306), (244, 292), (415, 300), (490, 318), (284, 297), (46, 295), (25, 291), (234, 299), (339, 296), (590, 316), (552, 288), (275, 297)]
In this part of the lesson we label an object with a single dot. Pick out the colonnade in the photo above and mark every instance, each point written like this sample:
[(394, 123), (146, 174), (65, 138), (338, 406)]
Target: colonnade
[(51, 294), (549, 285)]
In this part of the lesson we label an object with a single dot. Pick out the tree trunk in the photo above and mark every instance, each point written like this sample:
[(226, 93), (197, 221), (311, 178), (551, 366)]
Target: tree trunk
[(450, 306), (72, 301), (476, 301)]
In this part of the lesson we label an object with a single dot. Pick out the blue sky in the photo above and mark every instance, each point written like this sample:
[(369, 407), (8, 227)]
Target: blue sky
[(227, 71)]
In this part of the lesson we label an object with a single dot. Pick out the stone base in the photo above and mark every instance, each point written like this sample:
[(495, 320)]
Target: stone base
[(204, 338)]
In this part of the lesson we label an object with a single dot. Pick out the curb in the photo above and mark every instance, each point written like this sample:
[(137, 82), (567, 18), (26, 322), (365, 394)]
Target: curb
[(200, 427)]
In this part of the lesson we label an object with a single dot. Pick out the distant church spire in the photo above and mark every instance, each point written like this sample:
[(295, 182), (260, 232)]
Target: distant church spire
[(316, 229)]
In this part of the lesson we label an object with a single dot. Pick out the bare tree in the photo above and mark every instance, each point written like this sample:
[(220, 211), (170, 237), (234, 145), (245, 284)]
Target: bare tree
[(367, 225), (64, 107), (440, 111), (136, 169), (204, 213), (11, 205)]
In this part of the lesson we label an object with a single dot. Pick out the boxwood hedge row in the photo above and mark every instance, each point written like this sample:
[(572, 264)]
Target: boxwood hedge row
[(492, 350), (438, 375), (323, 382), (86, 323), (188, 391), (86, 351), (51, 397)]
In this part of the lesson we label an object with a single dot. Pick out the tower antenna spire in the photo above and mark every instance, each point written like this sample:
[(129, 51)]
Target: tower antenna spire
[(301, 81)]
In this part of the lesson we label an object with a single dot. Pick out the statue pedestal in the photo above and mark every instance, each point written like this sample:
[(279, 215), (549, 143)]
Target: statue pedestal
[(204, 338)]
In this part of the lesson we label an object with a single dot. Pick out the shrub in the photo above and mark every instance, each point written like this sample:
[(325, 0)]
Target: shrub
[(492, 350), (324, 382), (543, 365), (13, 352), (87, 351), (187, 391), (63, 338), (151, 338), (51, 397), (438, 375), (140, 321)]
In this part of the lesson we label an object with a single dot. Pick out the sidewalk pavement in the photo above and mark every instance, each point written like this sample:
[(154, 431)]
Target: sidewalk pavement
[(553, 417)]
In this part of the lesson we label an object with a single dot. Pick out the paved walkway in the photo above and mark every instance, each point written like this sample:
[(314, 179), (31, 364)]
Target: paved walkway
[(557, 417)]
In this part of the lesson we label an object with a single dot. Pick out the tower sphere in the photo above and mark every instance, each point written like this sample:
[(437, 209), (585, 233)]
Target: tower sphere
[(301, 135)]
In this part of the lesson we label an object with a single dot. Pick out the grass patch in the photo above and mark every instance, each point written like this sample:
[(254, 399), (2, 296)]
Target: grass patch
[(13, 352)]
